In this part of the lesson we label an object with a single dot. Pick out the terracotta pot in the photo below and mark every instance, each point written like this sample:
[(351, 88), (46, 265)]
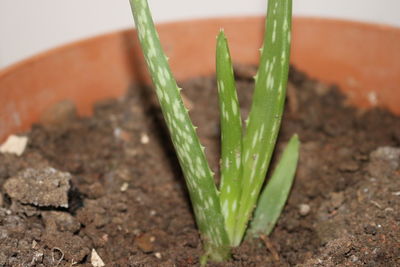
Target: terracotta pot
[(363, 59)]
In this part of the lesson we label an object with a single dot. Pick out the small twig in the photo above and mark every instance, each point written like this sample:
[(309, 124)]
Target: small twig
[(52, 255), (268, 244), (376, 204)]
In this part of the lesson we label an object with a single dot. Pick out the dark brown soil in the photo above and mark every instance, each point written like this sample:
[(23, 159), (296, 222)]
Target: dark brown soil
[(127, 199)]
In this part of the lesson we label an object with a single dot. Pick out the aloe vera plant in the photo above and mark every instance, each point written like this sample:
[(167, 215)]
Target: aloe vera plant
[(222, 214)]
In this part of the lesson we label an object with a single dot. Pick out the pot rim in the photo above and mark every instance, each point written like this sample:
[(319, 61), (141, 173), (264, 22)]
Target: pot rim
[(59, 48)]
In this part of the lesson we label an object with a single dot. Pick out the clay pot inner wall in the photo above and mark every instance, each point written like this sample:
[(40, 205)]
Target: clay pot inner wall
[(362, 59)]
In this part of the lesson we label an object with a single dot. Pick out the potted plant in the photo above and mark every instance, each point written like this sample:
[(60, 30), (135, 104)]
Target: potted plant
[(129, 209), (222, 214)]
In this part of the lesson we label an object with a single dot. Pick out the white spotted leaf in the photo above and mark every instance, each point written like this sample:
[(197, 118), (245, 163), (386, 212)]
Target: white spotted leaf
[(198, 176), (231, 135), (266, 110)]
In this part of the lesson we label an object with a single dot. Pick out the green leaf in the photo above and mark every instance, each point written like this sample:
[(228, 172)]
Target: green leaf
[(276, 192), (231, 135), (266, 110), (198, 176)]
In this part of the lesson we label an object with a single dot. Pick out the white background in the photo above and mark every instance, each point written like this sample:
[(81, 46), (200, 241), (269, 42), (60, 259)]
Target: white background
[(28, 27)]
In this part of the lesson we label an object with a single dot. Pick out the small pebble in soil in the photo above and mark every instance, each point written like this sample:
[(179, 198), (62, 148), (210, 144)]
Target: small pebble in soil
[(304, 209), (145, 242), (14, 145), (95, 259), (34, 244), (124, 187), (144, 139), (157, 255), (42, 187)]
